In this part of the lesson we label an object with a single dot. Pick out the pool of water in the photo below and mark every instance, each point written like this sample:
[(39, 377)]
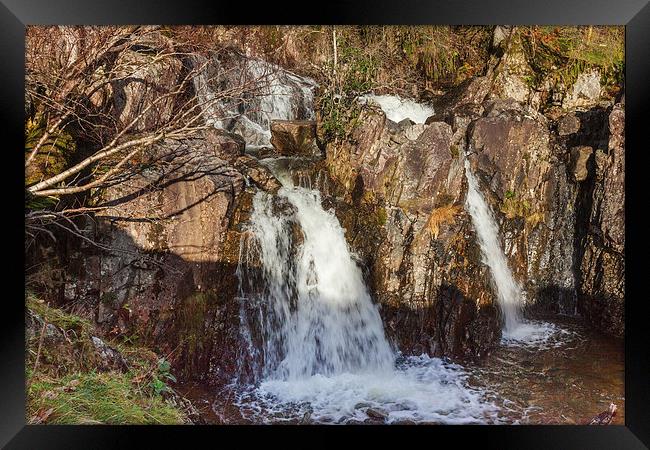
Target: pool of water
[(562, 373)]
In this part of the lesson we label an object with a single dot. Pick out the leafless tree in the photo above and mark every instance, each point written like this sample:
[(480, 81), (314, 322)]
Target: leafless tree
[(120, 91)]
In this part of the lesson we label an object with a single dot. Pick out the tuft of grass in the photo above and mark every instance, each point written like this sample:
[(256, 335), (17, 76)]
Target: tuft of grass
[(97, 398), (441, 215), (57, 317), (67, 386)]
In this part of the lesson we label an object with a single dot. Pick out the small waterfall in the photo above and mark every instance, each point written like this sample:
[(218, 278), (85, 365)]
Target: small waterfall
[(313, 336), (318, 317), (508, 290), (278, 94)]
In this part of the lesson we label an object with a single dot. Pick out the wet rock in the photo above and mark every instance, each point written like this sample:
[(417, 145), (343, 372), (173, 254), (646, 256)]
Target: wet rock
[(258, 174), (294, 137), (404, 422), (377, 413), (362, 405)]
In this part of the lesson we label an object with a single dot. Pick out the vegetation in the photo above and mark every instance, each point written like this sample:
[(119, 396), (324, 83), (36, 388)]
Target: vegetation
[(562, 53), (98, 398), (65, 386)]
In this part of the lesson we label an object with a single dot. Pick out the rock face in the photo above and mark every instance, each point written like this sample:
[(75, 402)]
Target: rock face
[(172, 236), (602, 267), (403, 190), (294, 137)]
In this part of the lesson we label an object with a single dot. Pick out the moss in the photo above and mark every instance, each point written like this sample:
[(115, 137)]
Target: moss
[(382, 216), (514, 206), (191, 325), (57, 317)]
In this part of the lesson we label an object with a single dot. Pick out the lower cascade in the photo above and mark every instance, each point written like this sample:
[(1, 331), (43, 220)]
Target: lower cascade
[(316, 339)]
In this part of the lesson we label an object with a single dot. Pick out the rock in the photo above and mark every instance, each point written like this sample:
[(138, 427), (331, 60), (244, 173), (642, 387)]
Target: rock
[(294, 137), (377, 413), (602, 264), (580, 157), (227, 146), (585, 91), (512, 73), (173, 235), (138, 88), (109, 358), (258, 174), (568, 124), (404, 217), (500, 34)]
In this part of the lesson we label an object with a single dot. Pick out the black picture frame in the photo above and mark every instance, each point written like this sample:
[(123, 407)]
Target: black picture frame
[(15, 15)]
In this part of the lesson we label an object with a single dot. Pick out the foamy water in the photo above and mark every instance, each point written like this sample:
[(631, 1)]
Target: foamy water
[(417, 389), (398, 109), (317, 337), (535, 334)]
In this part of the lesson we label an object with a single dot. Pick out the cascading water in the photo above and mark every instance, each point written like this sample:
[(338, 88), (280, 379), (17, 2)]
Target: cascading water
[(508, 290), (516, 330), (317, 339), (271, 93)]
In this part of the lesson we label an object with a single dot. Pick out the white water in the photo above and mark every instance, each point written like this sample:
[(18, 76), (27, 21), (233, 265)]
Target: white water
[(320, 342), (278, 94), (516, 331), (398, 109)]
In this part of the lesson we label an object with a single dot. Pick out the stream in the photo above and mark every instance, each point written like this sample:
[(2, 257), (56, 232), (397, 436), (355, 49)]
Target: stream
[(315, 351)]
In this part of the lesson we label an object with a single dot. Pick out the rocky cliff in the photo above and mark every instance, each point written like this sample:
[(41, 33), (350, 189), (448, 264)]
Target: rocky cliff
[(169, 236)]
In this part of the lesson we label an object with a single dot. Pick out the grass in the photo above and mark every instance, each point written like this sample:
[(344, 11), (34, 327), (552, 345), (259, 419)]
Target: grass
[(441, 215), (56, 316), (66, 386), (97, 398), (563, 53)]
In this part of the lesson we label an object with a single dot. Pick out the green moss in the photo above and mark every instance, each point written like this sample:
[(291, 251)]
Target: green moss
[(54, 154), (382, 216), (55, 316)]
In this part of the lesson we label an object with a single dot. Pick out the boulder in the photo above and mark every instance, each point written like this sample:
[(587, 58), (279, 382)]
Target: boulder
[(168, 274), (294, 137), (585, 92)]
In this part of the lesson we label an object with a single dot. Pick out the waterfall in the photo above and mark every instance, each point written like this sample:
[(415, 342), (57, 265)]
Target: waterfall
[(508, 290), (319, 317), (313, 334), (271, 93)]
